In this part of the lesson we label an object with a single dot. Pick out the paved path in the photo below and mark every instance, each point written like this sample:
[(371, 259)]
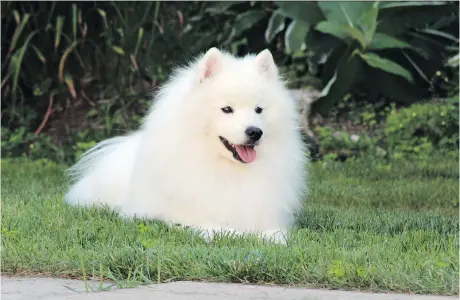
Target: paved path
[(55, 289)]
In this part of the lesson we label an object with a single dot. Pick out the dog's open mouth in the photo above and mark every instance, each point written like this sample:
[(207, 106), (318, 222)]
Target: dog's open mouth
[(243, 153)]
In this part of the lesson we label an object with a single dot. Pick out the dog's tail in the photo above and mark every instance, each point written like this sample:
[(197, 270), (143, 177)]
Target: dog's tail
[(92, 156), (102, 174)]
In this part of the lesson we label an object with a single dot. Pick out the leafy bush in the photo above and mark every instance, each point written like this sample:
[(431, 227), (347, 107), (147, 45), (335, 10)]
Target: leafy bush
[(68, 67), (417, 131), (391, 48), (84, 71), (339, 144), (56, 52), (423, 128), (20, 142)]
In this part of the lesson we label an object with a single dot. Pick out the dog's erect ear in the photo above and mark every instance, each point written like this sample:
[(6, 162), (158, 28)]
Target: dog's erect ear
[(266, 64), (209, 64)]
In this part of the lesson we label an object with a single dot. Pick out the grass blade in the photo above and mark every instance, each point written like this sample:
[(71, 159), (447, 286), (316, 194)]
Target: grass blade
[(440, 34), (5, 79), (140, 34), (64, 58), (118, 50), (18, 31), (58, 31), (40, 55), (74, 22), (70, 85), (416, 67), (16, 16), (103, 16), (16, 60)]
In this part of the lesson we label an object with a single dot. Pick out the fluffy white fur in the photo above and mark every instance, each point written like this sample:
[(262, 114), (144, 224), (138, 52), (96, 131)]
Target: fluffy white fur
[(176, 169)]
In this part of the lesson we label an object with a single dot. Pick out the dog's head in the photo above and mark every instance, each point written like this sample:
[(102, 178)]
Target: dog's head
[(241, 102)]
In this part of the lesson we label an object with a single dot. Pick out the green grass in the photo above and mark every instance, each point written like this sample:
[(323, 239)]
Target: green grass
[(365, 225)]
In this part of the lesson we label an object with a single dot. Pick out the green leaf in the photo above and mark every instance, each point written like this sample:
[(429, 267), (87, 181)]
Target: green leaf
[(344, 12), (237, 44), (118, 50), (333, 28), (440, 34), (70, 85), (40, 55), (358, 35), (305, 11), (101, 13), (17, 17), (320, 48), (18, 31), (384, 41), (121, 33), (295, 36), (140, 34), (104, 16), (398, 21), (221, 7), (17, 58), (5, 79), (149, 243), (453, 61), (327, 88), (41, 88), (340, 82), (58, 31), (246, 20), (387, 65), (74, 21), (368, 22), (392, 4), (396, 88), (341, 31), (275, 25), (63, 59)]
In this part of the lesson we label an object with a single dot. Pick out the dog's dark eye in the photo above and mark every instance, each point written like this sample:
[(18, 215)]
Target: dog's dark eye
[(259, 110), (227, 109)]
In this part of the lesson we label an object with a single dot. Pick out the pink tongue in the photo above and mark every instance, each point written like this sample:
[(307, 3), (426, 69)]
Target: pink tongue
[(248, 155)]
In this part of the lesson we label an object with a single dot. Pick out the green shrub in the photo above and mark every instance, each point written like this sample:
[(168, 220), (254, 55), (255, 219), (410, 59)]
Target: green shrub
[(20, 142), (71, 67), (105, 55), (389, 48), (423, 128), (339, 144)]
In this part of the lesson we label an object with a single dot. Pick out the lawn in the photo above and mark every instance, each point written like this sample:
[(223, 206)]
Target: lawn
[(365, 225)]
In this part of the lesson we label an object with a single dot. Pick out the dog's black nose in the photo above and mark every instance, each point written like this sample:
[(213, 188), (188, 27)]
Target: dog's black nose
[(254, 133)]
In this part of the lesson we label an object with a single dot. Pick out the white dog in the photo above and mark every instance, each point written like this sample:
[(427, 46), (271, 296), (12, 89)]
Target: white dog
[(220, 149)]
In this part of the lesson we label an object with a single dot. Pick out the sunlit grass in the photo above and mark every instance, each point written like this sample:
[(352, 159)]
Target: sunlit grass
[(365, 225)]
